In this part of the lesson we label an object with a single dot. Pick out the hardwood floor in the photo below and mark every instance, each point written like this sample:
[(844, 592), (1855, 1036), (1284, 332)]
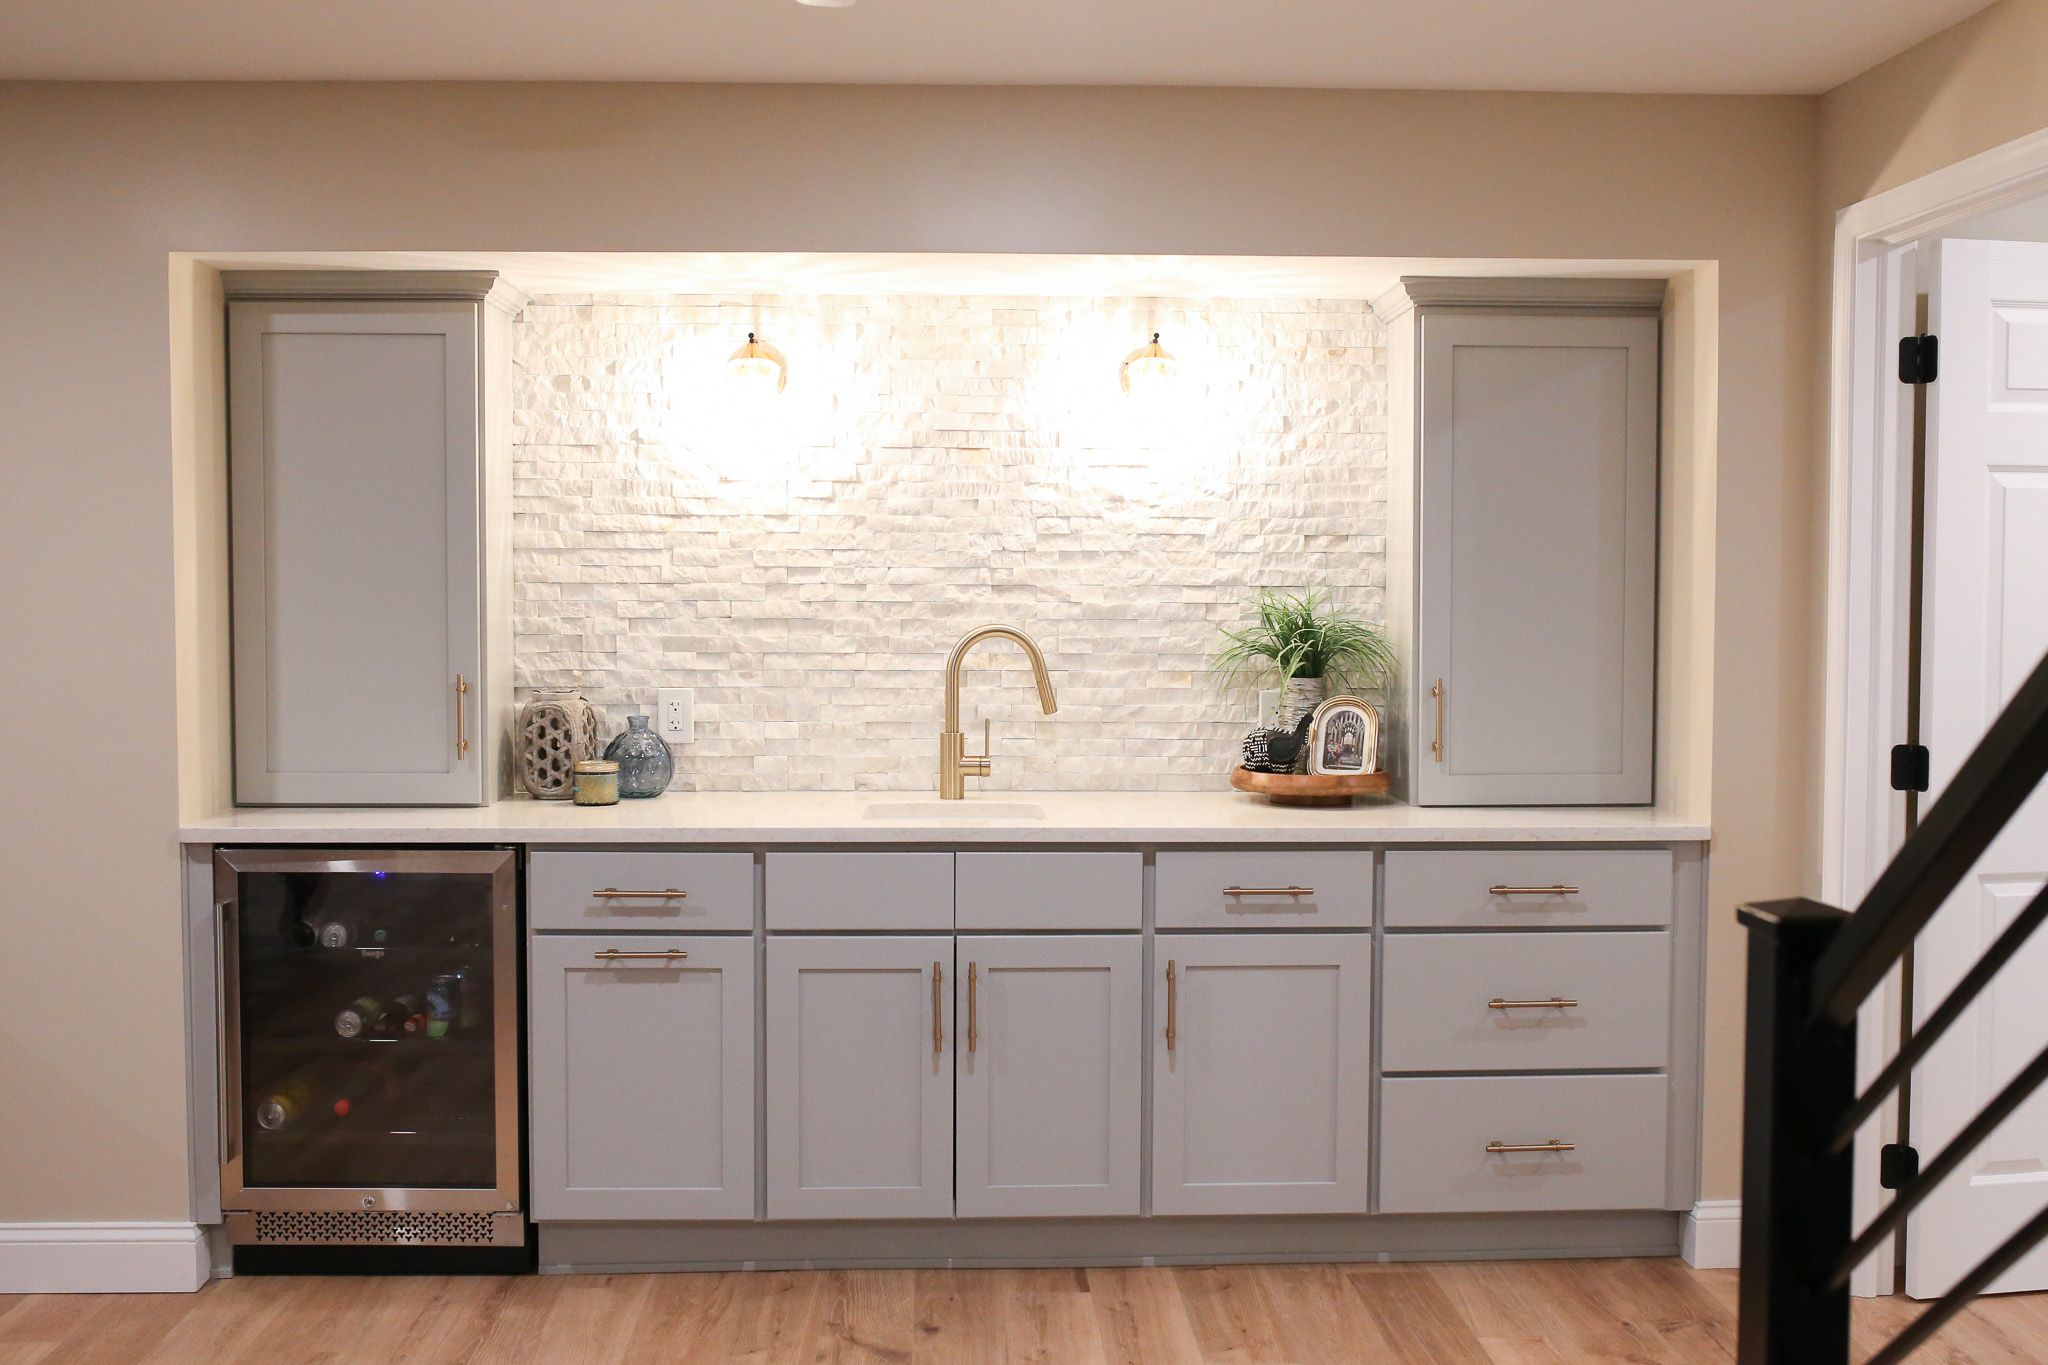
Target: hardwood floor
[(1486, 1313)]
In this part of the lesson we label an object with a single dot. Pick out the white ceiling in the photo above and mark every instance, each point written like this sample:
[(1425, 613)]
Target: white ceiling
[(1014, 275), (1735, 46)]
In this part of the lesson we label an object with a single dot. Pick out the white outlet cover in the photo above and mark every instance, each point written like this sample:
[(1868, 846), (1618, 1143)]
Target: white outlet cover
[(672, 718), (1269, 706)]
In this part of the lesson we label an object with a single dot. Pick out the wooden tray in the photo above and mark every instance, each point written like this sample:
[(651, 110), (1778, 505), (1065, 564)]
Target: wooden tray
[(1309, 789)]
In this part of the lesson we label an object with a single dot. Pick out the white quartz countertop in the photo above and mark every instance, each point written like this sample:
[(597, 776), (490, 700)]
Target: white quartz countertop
[(918, 818)]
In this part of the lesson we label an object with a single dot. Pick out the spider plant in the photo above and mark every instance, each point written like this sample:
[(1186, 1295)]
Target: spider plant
[(1302, 635)]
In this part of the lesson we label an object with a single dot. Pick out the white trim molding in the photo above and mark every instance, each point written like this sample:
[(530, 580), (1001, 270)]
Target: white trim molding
[(103, 1258), (1710, 1237)]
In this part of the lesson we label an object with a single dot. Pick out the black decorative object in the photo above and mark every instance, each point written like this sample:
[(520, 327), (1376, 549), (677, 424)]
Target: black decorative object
[(1277, 751)]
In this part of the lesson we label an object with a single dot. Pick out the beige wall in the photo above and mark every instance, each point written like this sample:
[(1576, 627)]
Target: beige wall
[(1963, 91), (104, 182)]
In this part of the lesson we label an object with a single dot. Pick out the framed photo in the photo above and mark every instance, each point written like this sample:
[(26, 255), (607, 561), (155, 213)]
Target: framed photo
[(1344, 737)]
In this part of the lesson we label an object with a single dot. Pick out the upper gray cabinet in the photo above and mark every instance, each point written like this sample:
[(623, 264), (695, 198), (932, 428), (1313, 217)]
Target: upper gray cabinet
[(1522, 547), (370, 521)]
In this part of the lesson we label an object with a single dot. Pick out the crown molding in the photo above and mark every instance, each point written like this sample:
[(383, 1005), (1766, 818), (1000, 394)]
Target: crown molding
[(1521, 293), (475, 286)]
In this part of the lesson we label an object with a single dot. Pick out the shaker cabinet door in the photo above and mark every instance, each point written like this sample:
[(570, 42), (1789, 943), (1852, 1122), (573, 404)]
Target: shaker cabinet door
[(643, 1077), (860, 1077), (1535, 633), (355, 553), (1050, 1074), (1261, 1066)]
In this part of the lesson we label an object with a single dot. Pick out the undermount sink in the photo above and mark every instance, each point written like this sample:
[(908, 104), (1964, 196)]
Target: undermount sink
[(969, 809)]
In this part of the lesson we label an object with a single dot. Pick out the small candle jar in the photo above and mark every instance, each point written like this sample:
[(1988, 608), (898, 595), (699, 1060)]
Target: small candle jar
[(597, 782)]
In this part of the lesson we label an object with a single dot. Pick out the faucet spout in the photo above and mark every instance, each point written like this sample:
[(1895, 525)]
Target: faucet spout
[(956, 765)]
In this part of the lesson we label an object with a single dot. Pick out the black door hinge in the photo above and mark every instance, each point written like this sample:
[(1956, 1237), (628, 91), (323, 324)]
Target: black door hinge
[(1919, 359), (1897, 1164), (1909, 767)]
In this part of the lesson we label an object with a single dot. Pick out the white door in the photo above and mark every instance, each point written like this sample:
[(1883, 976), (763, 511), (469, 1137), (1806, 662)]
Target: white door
[(643, 1076), (1050, 1074), (1984, 627), (860, 1077), (353, 459), (1261, 1067)]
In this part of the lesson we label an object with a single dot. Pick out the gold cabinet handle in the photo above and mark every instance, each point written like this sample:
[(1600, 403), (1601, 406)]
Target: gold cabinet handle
[(461, 716), (1532, 891), (1172, 1003), (1554, 1145), (1269, 890), (972, 1032), (622, 955), (1436, 745), (612, 893), (938, 1019), (1555, 1002)]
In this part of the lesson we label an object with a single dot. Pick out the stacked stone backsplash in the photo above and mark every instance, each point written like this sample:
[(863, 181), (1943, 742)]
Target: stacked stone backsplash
[(806, 564)]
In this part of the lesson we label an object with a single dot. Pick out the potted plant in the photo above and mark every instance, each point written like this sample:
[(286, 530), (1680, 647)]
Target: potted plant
[(1305, 643)]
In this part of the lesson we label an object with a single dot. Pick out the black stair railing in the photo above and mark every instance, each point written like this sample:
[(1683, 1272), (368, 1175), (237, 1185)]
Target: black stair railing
[(1811, 967)]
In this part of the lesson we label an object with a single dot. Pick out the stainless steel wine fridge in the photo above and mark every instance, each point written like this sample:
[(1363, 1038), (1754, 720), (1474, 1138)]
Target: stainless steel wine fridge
[(370, 1048)]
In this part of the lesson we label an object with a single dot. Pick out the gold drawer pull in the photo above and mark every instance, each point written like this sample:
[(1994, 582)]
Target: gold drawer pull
[(1269, 890), (1532, 891), (972, 1034), (621, 955), (1436, 743), (612, 893), (461, 716), (1555, 1002), (1554, 1145), (938, 1017)]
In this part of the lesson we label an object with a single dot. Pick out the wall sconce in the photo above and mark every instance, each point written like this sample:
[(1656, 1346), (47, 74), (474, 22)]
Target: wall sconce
[(1148, 370), (758, 370)]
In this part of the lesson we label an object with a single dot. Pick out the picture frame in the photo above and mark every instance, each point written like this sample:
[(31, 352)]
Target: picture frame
[(1344, 737)]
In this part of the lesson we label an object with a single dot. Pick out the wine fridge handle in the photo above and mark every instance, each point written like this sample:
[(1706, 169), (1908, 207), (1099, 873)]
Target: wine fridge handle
[(228, 1037)]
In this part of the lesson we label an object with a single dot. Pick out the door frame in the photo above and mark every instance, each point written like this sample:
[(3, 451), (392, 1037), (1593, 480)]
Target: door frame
[(1869, 604)]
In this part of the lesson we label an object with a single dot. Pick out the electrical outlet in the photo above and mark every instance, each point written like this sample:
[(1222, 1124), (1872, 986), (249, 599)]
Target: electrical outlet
[(672, 715), (1269, 705)]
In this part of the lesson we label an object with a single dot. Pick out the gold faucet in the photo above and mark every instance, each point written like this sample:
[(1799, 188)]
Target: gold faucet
[(956, 765)]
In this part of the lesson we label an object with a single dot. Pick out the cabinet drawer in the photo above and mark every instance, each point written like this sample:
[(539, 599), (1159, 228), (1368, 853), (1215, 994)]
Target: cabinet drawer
[(1463, 1002), (1050, 891), (1434, 1133), (577, 890), (1257, 889), (1527, 888), (845, 892)]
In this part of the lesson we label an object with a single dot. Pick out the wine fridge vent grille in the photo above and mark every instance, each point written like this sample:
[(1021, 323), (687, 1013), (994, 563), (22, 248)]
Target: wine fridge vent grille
[(374, 1228)]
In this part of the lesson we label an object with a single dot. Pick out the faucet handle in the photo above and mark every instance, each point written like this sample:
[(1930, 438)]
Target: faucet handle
[(977, 765)]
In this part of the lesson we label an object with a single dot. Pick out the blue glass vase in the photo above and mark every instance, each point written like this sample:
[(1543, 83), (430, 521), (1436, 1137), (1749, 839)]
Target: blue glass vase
[(645, 764)]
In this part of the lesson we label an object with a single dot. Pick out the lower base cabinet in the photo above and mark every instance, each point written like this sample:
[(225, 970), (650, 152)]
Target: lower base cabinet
[(860, 1076), (1050, 1075), (1261, 1071), (643, 1076)]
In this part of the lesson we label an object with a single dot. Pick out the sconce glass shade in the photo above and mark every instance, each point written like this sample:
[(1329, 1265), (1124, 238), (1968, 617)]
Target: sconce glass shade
[(757, 369), (1149, 369)]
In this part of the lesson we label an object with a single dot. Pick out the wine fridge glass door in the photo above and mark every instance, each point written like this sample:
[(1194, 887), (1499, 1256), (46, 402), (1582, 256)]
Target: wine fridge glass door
[(367, 1000)]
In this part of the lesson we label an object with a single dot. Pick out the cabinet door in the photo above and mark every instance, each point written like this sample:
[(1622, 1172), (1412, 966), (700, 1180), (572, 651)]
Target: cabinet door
[(860, 1077), (353, 462), (1261, 1065), (1538, 560), (1050, 1078), (643, 1077)]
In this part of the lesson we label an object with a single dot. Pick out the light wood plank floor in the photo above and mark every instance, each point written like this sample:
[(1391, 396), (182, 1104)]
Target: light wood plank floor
[(1492, 1313)]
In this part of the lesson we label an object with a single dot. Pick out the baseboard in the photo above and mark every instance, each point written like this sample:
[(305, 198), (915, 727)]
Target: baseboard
[(103, 1258), (1710, 1237)]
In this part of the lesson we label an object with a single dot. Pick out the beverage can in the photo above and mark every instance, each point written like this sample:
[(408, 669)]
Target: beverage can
[(444, 1001)]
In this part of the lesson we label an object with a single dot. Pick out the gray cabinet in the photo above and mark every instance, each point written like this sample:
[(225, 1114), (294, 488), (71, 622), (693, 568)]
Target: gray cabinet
[(643, 1076), (860, 1077), (1050, 1074), (370, 510), (1522, 556), (1261, 1067)]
